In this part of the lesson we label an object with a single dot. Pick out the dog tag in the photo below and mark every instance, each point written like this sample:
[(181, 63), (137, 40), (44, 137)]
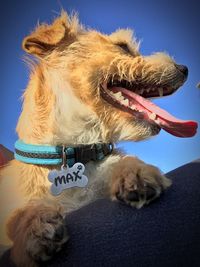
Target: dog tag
[(67, 178)]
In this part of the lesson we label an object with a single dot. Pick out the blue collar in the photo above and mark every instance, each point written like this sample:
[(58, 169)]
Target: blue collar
[(56, 155)]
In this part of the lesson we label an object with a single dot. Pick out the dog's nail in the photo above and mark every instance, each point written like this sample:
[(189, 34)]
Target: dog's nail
[(135, 187)]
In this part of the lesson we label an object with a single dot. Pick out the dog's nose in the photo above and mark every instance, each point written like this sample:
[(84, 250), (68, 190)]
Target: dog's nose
[(182, 69)]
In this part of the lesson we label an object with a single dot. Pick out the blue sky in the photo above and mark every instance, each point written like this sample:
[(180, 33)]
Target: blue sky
[(171, 26)]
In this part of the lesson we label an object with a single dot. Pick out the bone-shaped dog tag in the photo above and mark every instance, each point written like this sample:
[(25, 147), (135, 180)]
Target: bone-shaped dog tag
[(67, 178)]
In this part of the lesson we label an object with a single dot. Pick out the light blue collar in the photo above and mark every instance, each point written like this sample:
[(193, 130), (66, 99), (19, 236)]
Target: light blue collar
[(56, 155)]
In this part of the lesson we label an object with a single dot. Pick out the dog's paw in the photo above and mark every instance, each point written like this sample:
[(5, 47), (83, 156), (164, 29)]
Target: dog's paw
[(137, 183), (47, 237), (38, 232)]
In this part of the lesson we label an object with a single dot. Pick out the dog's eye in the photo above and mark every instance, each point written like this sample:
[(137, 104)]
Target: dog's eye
[(125, 47)]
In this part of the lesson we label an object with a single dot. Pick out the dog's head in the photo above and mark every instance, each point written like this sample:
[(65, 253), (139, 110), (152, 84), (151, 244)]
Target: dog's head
[(101, 83)]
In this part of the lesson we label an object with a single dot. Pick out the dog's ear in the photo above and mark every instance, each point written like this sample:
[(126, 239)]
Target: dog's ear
[(46, 37)]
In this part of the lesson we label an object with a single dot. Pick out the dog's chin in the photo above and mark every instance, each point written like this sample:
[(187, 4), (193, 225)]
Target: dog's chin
[(153, 129), (143, 129), (130, 129)]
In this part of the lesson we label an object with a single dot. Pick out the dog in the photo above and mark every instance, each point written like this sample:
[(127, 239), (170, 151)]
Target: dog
[(87, 91)]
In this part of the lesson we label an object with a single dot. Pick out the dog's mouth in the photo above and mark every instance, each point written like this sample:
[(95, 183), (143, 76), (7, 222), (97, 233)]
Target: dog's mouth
[(133, 98)]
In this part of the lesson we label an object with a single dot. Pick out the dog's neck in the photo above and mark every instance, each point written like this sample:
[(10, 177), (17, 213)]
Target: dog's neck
[(53, 115)]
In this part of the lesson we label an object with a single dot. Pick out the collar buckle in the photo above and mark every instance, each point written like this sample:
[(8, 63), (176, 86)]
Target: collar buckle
[(64, 157)]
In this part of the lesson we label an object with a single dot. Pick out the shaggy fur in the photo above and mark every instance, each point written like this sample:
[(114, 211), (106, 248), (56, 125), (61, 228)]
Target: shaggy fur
[(62, 105)]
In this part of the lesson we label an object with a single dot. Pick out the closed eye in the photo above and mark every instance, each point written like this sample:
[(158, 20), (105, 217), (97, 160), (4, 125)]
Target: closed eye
[(125, 47)]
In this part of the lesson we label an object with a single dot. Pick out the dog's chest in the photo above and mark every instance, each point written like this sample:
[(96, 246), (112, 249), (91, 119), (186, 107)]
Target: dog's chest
[(99, 176)]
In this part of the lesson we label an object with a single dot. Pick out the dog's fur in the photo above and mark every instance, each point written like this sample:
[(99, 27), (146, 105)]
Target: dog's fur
[(62, 105)]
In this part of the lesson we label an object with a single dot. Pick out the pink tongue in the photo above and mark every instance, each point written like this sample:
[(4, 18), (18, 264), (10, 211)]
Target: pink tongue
[(165, 120)]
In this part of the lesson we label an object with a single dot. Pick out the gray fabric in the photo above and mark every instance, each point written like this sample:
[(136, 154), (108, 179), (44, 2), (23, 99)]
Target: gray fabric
[(165, 233)]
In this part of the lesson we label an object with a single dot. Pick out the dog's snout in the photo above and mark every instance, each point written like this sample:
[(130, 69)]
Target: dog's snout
[(182, 69)]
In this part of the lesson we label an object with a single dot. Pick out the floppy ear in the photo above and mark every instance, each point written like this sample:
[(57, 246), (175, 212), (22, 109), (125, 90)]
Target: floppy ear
[(47, 37)]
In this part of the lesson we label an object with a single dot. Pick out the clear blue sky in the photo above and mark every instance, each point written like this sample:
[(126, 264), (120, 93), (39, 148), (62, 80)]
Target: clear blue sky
[(172, 26)]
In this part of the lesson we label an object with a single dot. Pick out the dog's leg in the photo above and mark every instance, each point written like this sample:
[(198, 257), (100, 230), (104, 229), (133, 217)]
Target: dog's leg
[(137, 183), (37, 232)]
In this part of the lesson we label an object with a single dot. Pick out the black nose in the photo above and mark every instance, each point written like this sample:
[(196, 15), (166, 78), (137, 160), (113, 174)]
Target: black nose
[(183, 69)]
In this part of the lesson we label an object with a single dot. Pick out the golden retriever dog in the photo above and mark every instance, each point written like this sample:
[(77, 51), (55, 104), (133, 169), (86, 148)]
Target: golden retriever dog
[(87, 91)]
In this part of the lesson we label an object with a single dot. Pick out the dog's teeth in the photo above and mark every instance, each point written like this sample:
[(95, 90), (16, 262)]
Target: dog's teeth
[(157, 121), (148, 90), (141, 91), (152, 116), (125, 102), (118, 95), (160, 90), (133, 107)]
